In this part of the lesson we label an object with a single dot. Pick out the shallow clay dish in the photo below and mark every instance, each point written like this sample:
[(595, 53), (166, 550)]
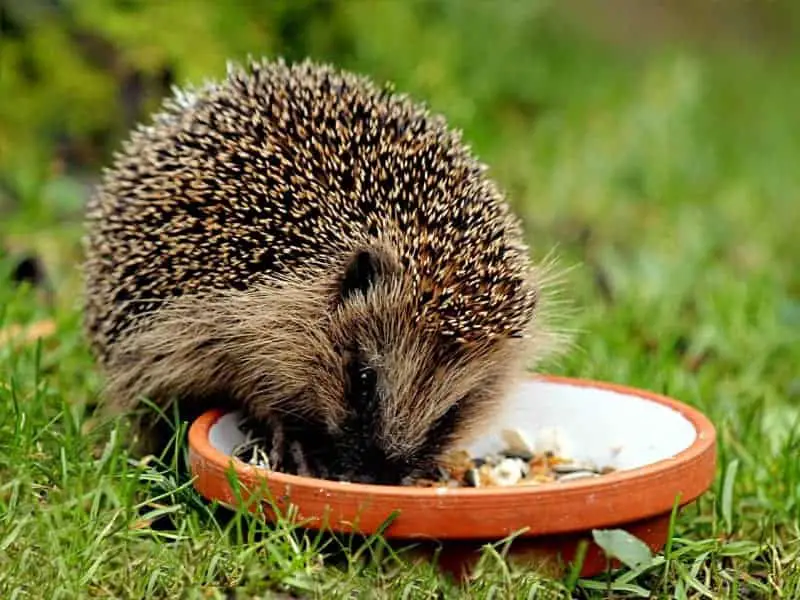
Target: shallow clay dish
[(662, 449)]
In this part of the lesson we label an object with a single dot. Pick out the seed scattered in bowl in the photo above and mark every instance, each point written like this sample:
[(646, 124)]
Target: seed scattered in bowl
[(254, 450), (521, 462)]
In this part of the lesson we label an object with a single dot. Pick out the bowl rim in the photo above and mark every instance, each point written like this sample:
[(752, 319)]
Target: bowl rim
[(704, 443)]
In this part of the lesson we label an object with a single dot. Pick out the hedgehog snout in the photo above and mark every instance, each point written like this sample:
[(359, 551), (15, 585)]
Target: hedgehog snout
[(351, 454), (355, 458)]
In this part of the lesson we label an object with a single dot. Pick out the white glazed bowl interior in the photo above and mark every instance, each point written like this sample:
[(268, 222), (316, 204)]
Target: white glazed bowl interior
[(588, 424)]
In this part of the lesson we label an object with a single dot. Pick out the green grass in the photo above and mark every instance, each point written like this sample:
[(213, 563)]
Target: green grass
[(667, 181)]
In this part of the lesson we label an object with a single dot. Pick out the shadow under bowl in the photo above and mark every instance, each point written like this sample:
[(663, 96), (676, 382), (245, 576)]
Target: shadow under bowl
[(664, 453)]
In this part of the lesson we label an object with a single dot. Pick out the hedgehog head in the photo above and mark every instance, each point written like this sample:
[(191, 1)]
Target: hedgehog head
[(389, 388)]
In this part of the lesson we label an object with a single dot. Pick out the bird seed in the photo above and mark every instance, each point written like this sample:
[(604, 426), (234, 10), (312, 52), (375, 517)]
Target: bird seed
[(520, 463)]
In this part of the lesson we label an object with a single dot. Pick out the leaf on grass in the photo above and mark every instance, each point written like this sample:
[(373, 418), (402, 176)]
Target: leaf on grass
[(141, 524), (619, 544)]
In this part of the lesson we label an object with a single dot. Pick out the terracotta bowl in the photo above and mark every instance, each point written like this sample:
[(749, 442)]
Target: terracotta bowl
[(663, 451)]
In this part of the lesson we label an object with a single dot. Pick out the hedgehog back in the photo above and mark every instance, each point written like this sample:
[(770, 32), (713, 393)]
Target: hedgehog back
[(277, 168)]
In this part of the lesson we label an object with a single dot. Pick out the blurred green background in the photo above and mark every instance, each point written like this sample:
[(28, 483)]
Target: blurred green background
[(621, 119), (655, 145)]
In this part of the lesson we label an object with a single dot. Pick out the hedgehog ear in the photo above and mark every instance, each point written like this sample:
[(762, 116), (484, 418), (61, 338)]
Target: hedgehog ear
[(365, 268)]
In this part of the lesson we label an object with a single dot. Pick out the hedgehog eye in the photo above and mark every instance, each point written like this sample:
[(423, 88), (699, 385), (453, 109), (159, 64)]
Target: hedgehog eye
[(362, 383)]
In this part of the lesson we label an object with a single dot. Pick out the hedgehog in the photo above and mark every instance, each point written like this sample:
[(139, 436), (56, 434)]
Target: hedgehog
[(319, 252)]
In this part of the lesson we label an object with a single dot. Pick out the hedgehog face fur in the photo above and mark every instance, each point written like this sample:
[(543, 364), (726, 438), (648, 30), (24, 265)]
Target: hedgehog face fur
[(326, 255), (407, 393)]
